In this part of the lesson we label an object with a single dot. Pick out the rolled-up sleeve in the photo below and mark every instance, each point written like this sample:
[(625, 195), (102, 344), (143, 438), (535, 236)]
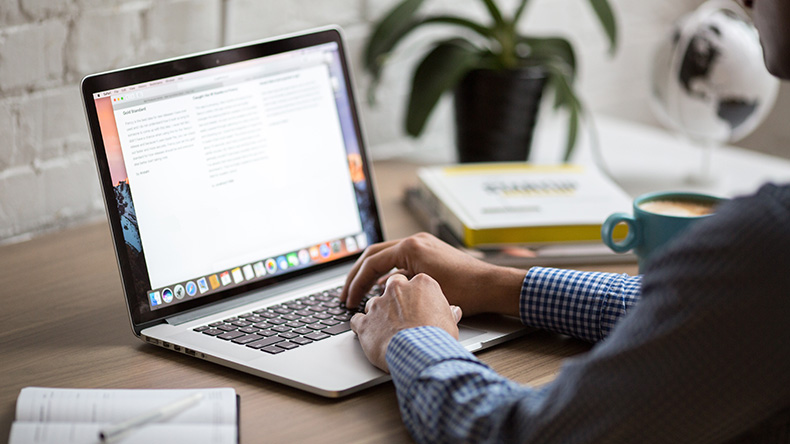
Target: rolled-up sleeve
[(585, 305)]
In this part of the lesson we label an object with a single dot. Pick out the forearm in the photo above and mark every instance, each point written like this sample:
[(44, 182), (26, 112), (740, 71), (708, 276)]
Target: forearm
[(585, 305), (447, 395)]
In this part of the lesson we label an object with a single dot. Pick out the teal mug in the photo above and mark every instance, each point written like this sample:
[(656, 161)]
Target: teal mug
[(657, 219)]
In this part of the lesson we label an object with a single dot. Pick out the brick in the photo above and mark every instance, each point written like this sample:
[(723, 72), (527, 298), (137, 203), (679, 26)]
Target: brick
[(86, 5), (104, 39), (22, 201), (39, 9), (32, 55), (78, 142), (7, 134), (255, 19), (184, 26), (46, 121), (29, 133), (9, 12), (6, 225), (69, 187)]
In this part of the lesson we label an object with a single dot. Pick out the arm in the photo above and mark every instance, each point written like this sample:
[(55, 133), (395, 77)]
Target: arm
[(597, 300), (445, 394), (703, 358)]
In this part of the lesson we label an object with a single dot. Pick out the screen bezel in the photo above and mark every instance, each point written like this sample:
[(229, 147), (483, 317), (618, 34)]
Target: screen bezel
[(173, 67)]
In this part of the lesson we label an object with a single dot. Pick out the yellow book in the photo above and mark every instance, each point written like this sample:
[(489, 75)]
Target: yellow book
[(491, 204)]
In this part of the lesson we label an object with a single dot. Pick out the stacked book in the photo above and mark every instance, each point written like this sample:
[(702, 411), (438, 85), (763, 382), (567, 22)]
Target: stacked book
[(521, 214)]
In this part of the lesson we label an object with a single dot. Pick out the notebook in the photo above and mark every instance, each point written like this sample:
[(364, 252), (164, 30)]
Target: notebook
[(64, 415), (239, 194)]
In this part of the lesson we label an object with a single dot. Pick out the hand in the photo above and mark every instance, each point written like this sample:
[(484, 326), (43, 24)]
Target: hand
[(405, 304), (474, 285)]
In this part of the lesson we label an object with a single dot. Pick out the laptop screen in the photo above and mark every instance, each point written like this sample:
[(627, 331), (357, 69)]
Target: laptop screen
[(227, 178)]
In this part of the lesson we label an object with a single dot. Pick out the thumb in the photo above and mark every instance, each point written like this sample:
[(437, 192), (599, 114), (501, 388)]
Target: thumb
[(457, 313)]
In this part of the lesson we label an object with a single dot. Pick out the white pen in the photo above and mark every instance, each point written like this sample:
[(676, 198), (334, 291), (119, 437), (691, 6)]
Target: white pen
[(114, 432)]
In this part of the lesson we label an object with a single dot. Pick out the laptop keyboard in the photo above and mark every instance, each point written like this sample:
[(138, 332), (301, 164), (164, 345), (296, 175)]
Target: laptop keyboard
[(279, 328)]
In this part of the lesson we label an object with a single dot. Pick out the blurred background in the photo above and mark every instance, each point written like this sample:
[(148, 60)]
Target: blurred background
[(48, 180)]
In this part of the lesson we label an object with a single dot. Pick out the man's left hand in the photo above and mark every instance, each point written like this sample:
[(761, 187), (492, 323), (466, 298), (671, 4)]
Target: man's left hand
[(405, 304)]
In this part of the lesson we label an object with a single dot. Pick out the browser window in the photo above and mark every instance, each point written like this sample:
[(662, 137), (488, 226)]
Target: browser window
[(212, 162)]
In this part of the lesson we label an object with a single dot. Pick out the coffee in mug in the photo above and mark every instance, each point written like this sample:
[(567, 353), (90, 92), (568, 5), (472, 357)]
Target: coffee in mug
[(658, 218), (680, 208)]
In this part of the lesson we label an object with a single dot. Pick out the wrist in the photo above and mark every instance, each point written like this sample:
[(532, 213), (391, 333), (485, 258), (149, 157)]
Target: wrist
[(503, 289)]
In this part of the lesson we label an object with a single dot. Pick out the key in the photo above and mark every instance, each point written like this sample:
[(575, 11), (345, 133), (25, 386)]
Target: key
[(317, 336), (287, 345), (301, 341), (273, 350), (339, 328), (230, 335), (246, 339), (265, 342)]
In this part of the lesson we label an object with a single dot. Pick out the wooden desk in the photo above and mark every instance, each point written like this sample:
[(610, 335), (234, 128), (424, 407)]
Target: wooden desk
[(63, 324)]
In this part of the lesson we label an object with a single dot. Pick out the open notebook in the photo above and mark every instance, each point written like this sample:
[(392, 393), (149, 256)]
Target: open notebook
[(75, 416)]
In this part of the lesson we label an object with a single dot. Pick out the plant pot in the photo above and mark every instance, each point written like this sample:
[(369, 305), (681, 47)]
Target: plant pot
[(495, 113)]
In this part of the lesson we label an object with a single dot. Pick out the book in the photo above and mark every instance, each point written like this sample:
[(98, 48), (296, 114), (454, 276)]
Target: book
[(549, 254), (507, 204), (59, 415)]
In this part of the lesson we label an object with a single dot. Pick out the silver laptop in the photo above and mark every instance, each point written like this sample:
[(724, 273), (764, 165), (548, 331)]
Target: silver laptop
[(239, 194)]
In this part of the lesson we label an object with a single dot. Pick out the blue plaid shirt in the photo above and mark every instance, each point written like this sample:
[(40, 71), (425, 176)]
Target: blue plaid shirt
[(704, 357)]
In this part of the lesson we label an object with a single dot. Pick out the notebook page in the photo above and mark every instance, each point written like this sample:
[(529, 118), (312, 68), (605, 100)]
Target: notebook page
[(109, 406), (83, 433)]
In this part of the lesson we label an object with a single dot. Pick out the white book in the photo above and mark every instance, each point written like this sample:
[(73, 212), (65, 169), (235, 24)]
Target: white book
[(75, 416), (490, 204)]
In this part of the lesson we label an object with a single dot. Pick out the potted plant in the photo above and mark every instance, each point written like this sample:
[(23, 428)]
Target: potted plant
[(497, 74)]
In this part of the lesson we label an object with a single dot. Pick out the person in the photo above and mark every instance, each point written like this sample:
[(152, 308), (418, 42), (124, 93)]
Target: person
[(694, 350)]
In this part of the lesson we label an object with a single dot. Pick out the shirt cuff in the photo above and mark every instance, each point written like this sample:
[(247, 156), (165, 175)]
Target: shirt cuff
[(583, 304), (413, 350)]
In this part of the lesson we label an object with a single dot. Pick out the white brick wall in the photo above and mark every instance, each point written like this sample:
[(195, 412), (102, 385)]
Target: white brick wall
[(32, 55), (47, 177)]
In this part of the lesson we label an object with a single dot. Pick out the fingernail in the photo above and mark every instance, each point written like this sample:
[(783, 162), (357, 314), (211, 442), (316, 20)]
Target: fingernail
[(457, 313)]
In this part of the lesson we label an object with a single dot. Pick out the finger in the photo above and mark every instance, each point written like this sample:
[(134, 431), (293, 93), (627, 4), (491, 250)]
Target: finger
[(457, 313), (395, 277), (383, 280), (373, 249), (373, 267), (355, 322)]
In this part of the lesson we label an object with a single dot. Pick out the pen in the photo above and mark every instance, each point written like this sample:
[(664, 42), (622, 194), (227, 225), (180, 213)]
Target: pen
[(114, 432)]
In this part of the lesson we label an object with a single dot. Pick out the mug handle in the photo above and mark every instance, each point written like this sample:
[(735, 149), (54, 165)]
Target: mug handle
[(632, 238)]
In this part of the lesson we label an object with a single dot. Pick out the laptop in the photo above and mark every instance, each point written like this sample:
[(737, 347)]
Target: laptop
[(239, 194)]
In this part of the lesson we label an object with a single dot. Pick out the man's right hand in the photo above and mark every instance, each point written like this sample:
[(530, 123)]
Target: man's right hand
[(473, 285)]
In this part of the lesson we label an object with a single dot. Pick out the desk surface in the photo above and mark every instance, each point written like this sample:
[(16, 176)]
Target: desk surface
[(64, 325)]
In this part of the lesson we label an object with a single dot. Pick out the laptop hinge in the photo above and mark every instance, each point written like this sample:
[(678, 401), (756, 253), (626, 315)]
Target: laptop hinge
[(260, 295)]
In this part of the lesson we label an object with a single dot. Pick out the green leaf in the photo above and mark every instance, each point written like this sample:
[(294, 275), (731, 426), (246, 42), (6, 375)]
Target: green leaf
[(555, 49), (605, 15), (573, 131), (495, 13), (440, 71), (451, 20), (384, 40), (388, 32), (519, 11), (565, 97)]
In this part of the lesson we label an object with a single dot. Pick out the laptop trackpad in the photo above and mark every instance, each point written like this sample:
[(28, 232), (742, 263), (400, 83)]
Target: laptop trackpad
[(466, 333)]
